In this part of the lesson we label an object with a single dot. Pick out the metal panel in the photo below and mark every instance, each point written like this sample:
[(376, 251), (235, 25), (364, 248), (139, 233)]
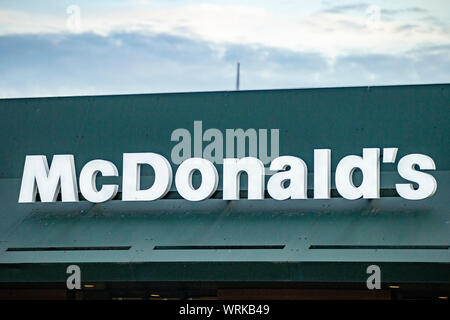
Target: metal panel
[(407, 238)]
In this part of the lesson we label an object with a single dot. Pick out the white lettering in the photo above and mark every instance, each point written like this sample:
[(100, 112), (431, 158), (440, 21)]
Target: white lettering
[(132, 176), (37, 176), (183, 179), (427, 183), (369, 164), (232, 169), (296, 175), (88, 178)]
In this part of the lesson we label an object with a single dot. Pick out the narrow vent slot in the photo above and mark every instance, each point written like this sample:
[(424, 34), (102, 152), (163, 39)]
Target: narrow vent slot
[(232, 247), (379, 247), (70, 248)]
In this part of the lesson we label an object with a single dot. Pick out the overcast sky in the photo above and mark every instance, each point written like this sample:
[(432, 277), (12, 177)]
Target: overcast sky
[(58, 48)]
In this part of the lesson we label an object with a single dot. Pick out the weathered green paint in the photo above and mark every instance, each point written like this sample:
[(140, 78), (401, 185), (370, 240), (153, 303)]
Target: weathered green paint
[(413, 118)]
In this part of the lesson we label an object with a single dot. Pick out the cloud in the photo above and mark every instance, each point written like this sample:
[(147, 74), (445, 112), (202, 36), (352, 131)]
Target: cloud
[(347, 8), (334, 31), (405, 10), (136, 62), (363, 6)]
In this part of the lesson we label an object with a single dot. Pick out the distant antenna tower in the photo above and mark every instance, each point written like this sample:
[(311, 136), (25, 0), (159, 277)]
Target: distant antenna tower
[(237, 75)]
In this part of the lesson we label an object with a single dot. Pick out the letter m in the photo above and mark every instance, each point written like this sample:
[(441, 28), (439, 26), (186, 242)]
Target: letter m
[(37, 176), (241, 136)]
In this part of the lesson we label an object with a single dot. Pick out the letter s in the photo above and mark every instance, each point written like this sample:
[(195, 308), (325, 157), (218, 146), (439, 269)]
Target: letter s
[(427, 183)]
